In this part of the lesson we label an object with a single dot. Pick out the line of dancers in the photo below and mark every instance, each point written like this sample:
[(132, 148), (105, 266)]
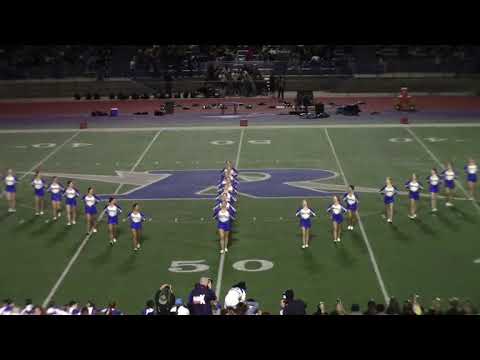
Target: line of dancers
[(389, 190), (58, 192), (414, 187), (224, 210)]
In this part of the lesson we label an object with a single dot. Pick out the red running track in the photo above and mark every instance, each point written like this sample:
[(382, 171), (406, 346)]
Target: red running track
[(75, 107)]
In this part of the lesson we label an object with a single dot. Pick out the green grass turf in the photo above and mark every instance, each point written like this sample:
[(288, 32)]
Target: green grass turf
[(432, 256)]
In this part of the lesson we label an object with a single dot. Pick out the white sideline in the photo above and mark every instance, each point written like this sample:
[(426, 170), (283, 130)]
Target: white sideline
[(439, 163), (236, 127), (218, 287), (85, 240), (360, 223), (57, 149)]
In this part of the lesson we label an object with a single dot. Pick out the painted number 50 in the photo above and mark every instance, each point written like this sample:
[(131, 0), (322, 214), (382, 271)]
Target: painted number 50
[(189, 266)]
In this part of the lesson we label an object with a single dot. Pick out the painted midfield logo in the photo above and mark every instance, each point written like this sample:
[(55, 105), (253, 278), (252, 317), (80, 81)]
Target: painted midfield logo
[(201, 184)]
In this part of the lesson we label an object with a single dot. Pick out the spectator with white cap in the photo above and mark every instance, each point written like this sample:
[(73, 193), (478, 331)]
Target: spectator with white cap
[(179, 308)]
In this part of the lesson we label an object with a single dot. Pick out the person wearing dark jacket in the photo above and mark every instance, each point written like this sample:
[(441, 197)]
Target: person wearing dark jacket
[(164, 299), (292, 306), (201, 298)]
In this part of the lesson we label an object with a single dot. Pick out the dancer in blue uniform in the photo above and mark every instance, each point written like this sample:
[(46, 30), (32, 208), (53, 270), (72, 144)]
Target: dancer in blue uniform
[(389, 191), (221, 199), (11, 190), (336, 210), (56, 190), (224, 218), (305, 213), (71, 194), (449, 177), (434, 184), (136, 219), (227, 185), (414, 188), (225, 195), (39, 189), (112, 210), (91, 200), (351, 201), (229, 169), (471, 171)]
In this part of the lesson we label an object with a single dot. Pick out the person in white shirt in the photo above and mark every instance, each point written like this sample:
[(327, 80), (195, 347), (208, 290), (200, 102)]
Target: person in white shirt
[(471, 170), (305, 213), (434, 183), (236, 295)]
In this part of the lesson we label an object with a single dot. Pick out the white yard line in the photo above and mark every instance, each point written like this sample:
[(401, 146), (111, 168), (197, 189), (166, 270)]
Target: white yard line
[(57, 149), (360, 223), (235, 127), (237, 160), (439, 163), (85, 240), (218, 287)]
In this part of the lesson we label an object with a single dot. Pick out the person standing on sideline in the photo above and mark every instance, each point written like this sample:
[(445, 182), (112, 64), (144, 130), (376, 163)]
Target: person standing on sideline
[(292, 306), (281, 88), (201, 298)]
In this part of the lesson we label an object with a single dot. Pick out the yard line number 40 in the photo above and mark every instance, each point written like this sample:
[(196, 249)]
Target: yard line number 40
[(189, 266)]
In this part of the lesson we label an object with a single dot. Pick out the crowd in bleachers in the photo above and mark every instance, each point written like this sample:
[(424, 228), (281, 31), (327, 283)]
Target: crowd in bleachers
[(194, 60), (236, 302), (55, 61)]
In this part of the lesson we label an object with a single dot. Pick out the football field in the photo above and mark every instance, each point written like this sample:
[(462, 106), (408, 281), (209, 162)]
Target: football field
[(171, 171)]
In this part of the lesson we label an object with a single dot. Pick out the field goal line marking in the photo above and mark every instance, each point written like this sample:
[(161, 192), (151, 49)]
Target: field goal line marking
[(221, 265), (57, 149), (439, 163), (360, 223), (85, 240)]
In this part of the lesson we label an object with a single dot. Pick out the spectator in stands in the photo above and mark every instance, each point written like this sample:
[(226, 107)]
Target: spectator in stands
[(339, 309), (292, 306), (52, 309), (253, 307), (236, 295), (381, 309), (454, 307), (435, 308), (407, 308), (355, 310), (149, 308), (73, 308), (202, 298), (133, 65), (37, 310), (371, 308), (241, 309), (84, 311), (28, 309), (320, 309), (164, 299), (168, 83), (92, 310), (281, 88), (250, 53), (273, 84), (468, 308), (393, 307), (111, 309), (7, 307), (179, 308)]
